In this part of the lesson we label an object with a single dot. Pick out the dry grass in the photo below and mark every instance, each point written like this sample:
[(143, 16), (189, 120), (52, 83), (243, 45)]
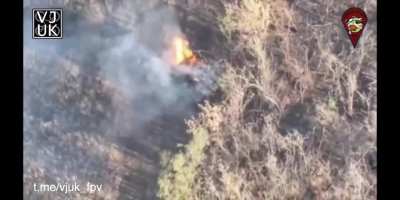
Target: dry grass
[(298, 118), (181, 171)]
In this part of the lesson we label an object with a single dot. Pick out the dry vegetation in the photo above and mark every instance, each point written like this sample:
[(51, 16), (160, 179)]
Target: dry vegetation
[(295, 117), (298, 117)]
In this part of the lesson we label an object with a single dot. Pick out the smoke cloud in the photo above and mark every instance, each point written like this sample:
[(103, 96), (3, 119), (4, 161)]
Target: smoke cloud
[(100, 83)]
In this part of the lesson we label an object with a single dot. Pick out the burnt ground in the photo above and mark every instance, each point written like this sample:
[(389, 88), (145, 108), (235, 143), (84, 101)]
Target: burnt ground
[(80, 126)]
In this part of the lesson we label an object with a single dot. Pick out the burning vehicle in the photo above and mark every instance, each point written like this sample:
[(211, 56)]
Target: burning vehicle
[(180, 57), (186, 66), (183, 53)]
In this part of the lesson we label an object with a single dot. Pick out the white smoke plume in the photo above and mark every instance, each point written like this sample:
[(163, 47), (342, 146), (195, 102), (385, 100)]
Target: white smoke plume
[(100, 84)]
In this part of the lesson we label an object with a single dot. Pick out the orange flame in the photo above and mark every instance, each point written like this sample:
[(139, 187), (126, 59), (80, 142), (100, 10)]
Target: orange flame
[(182, 52)]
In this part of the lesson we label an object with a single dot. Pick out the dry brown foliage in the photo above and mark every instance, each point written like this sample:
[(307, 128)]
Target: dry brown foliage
[(298, 120)]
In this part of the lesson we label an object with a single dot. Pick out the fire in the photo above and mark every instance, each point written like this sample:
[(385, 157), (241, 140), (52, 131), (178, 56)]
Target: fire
[(182, 52)]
